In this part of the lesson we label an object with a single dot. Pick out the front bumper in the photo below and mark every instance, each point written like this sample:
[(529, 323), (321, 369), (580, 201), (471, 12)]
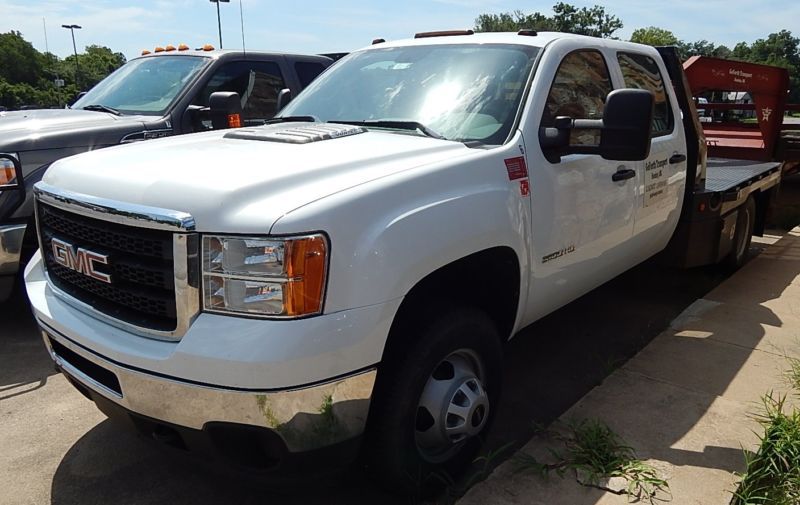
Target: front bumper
[(11, 236), (308, 381), (305, 419)]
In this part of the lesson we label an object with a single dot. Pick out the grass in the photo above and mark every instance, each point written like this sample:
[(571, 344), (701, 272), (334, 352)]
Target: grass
[(772, 475), (793, 373), (595, 453)]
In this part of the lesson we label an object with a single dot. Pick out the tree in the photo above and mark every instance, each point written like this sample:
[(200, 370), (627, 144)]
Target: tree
[(27, 77), (95, 63), (19, 60), (592, 21), (780, 49), (512, 22), (703, 48), (653, 36)]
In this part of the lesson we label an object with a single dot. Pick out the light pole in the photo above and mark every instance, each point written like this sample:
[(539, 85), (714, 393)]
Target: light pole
[(72, 29), (219, 23)]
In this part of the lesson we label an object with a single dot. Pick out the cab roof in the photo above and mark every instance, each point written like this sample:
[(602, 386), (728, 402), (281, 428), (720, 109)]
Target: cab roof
[(540, 39)]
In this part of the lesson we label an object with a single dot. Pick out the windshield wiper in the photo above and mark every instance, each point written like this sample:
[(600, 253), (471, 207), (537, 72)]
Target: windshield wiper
[(293, 119), (399, 125), (102, 108)]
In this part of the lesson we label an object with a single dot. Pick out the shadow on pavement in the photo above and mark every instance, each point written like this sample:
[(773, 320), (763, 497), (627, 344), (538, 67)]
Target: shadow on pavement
[(113, 465), (24, 363)]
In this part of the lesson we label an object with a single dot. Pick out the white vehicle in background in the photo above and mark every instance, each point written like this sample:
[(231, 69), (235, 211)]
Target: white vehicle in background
[(355, 267)]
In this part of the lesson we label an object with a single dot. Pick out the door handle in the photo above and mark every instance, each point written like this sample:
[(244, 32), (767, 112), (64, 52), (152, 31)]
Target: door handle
[(677, 158), (623, 174)]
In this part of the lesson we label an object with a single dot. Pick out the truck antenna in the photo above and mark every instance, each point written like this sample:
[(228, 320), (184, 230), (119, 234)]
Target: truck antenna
[(241, 19)]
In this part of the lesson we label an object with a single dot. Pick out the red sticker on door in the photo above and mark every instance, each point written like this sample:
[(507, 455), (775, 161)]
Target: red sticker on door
[(516, 168), (524, 187)]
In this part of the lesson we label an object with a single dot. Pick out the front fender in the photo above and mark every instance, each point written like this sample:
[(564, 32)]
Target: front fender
[(389, 234)]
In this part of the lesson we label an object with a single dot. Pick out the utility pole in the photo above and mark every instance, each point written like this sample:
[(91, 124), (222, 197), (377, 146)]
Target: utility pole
[(219, 22), (72, 29)]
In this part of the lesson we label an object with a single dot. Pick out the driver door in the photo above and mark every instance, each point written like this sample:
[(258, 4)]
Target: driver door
[(582, 219)]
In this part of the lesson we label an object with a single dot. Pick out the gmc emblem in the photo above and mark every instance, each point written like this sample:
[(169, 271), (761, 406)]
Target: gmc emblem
[(79, 259)]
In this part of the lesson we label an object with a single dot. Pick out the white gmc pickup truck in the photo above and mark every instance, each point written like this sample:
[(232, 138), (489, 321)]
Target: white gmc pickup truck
[(347, 275)]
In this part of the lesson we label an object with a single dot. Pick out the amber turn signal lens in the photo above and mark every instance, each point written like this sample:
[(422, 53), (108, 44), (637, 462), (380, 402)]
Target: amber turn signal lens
[(305, 269), (234, 121), (8, 175)]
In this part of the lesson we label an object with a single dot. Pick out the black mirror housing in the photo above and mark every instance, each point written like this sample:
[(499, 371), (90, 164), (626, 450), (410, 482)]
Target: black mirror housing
[(223, 105), (627, 125), (625, 129)]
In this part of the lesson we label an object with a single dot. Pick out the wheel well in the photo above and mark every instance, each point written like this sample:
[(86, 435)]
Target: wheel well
[(488, 280)]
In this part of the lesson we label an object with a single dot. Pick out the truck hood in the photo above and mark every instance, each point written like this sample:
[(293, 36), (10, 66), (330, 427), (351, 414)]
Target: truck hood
[(34, 129), (243, 185)]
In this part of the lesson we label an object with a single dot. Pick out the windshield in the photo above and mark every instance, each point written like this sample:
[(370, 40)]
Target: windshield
[(463, 92), (144, 86)]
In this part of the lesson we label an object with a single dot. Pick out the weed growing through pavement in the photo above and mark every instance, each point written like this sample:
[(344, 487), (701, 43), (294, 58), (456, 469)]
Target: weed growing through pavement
[(595, 453), (793, 373), (772, 475)]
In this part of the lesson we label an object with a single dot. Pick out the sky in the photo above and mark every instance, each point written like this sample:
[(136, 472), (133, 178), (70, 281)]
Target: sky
[(314, 26)]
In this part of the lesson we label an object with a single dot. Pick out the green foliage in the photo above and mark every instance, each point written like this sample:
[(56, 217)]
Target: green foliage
[(27, 77), (19, 61), (594, 451), (780, 49), (772, 476), (654, 36), (592, 21)]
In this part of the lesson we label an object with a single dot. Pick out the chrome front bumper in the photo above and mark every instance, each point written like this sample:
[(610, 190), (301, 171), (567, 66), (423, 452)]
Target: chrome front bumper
[(305, 418), (11, 236)]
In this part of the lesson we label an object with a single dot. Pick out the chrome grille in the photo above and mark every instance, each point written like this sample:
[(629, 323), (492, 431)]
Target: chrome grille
[(141, 265)]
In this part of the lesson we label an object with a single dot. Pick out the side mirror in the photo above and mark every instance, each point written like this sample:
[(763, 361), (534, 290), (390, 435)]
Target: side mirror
[(624, 130), (226, 110), (284, 97), (627, 125), (193, 117)]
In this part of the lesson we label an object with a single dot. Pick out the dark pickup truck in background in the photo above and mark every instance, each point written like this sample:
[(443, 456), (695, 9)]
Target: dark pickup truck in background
[(156, 95)]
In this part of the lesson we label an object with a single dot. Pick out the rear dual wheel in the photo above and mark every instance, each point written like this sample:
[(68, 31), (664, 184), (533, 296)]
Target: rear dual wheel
[(743, 235), (434, 401)]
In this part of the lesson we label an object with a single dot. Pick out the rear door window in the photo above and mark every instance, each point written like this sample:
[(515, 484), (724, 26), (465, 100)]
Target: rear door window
[(641, 72), (307, 71)]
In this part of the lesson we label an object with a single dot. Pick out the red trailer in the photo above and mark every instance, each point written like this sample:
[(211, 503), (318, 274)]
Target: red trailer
[(760, 91)]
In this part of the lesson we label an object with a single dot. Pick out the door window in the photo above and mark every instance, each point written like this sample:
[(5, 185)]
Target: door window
[(579, 90), (257, 82), (307, 71), (641, 72)]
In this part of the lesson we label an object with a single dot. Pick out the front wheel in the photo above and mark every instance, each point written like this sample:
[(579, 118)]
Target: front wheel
[(434, 402)]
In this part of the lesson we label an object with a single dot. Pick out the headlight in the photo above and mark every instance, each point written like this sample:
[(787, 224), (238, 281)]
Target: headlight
[(8, 173), (264, 276)]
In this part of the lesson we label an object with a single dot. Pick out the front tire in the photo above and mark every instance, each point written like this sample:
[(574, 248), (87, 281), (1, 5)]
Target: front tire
[(434, 401)]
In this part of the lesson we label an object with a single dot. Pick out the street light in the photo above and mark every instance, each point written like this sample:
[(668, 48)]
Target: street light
[(219, 23), (72, 29)]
